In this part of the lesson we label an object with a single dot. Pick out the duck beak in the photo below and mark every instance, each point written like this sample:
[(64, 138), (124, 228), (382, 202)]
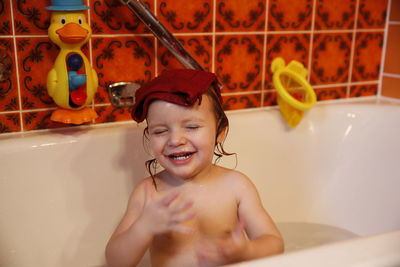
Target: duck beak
[(72, 33)]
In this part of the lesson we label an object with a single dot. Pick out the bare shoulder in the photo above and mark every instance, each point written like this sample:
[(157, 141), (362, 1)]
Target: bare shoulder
[(238, 181), (138, 191)]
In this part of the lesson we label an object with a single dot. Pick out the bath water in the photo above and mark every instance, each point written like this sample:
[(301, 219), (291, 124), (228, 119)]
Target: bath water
[(300, 235)]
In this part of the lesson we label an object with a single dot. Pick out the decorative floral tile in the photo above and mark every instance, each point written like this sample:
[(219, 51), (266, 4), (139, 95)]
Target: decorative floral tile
[(36, 57), (363, 90), (116, 59), (236, 15), (113, 114), (238, 62), (30, 17), (286, 15), (372, 14), (367, 56), (330, 58), (5, 18), (338, 14), (289, 47), (10, 123), (331, 93), (39, 120), (186, 16), (234, 102), (270, 98), (8, 87), (113, 17), (200, 47)]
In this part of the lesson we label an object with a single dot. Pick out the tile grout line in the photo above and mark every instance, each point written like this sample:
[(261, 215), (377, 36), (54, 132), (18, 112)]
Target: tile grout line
[(311, 45), (155, 44), (264, 66), (89, 20), (391, 75), (213, 39), (16, 67), (216, 33), (352, 51), (383, 56)]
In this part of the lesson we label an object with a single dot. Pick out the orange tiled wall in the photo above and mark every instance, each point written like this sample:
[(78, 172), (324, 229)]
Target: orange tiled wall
[(339, 41), (391, 75)]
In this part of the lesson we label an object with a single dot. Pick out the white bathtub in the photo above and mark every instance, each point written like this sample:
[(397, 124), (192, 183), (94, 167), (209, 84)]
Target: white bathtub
[(63, 192)]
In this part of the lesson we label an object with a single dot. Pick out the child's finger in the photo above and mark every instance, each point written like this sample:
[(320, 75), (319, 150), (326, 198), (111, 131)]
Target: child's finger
[(183, 229), (182, 217), (169, 198), (183, 206)]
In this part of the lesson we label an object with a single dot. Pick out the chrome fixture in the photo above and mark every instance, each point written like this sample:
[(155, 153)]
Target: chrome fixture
[(162, 33), (122, 94)]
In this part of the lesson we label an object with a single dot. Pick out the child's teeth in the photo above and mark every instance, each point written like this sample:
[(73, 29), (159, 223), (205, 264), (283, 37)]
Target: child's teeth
[(182, 157)]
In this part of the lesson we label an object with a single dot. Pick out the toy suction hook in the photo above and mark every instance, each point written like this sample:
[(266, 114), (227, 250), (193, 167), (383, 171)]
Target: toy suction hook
[(295, 94)]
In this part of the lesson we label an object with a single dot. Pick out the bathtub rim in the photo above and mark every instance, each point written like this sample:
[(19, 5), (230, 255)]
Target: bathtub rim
[(373, 100), (372, 250)]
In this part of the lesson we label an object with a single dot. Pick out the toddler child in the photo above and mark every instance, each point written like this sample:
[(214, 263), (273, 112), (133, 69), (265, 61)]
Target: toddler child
[(192, 212)]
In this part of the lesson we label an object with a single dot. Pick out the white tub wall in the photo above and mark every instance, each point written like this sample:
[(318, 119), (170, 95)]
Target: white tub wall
[(62, 200), (342, 146)]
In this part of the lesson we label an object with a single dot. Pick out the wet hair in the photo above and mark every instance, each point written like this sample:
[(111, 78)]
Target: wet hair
[(222, 127)]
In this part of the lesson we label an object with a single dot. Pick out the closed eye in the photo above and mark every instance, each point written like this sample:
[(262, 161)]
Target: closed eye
[(192, 127), (158, 132)]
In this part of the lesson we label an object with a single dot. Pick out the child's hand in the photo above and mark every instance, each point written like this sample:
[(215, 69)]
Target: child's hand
[(225, 250), (165, 214)]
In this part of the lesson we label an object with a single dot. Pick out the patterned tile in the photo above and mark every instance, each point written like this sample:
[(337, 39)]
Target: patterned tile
[(30, 17), (200, 47), (367, 56), (363, 90), (236, 15), (331, 58), (40, 120), (113, 114), (289, 15), (270, 98), (36, 57), (8, 87), (238, 62), (338, 14), (112, 17), (186, 16), (289, 47), (234, 102), (330, 93), (372, 14), (116, 59), (10, 123), (5, 18)]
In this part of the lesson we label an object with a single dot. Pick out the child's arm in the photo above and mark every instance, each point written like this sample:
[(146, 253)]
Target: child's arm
[(264, 237), (146, 216)]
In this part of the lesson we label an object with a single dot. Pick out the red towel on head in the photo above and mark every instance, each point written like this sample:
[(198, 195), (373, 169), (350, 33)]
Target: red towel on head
[(181, 86)]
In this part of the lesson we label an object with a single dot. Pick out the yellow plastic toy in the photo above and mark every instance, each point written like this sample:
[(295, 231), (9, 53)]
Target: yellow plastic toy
[(72, 82), (295, 94)]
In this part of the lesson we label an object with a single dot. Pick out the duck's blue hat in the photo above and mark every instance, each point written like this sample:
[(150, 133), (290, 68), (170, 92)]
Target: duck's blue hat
[(67, 5)]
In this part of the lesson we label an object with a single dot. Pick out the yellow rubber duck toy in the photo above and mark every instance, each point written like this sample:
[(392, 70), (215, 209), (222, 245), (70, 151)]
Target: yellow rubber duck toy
[(72, 82)]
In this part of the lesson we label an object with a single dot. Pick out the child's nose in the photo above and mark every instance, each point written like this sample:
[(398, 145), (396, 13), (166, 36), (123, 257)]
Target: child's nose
[(176, 138)]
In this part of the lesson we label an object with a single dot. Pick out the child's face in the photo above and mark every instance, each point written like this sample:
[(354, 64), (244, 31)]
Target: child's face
[(182, 138)]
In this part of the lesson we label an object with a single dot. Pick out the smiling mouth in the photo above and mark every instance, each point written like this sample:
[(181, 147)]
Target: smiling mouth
[(181, 156)]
